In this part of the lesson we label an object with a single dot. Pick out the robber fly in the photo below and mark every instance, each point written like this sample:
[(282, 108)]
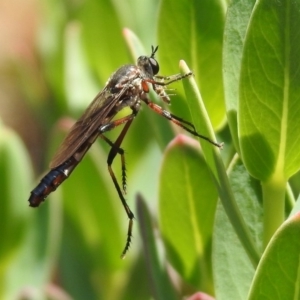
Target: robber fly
[(127, 87)]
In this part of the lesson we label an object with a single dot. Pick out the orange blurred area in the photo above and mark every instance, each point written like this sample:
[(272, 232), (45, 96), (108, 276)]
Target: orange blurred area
[(20, 78), (18, 20)]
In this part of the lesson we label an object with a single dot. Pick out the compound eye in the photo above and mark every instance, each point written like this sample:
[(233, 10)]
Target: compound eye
[(154, 65)]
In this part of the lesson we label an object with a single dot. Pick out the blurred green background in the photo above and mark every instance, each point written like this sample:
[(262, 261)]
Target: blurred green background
[(54, 58)]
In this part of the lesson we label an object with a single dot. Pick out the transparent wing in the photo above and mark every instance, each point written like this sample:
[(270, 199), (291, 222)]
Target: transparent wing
[(98, 113)]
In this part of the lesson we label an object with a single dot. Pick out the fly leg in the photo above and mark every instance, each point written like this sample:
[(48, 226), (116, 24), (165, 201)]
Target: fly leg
[(160, 83), (188, 126), (115, 149), (171, 78), (123, 165)]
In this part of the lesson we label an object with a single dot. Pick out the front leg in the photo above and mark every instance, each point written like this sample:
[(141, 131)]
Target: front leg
[(160, 82)]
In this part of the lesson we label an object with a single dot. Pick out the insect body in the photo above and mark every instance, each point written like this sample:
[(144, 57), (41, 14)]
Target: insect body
[(127, 87)]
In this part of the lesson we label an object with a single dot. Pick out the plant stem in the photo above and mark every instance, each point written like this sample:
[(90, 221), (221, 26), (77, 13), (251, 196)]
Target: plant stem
[(273, 198)]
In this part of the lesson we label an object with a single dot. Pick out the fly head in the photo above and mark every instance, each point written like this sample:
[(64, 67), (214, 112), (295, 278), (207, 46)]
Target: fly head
[(149, 65)]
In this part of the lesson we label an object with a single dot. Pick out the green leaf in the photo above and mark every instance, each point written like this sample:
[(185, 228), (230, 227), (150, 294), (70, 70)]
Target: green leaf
[(198, 40), (137, 285), (214, 161), (296, 207), (187, 204), (237, 18), (80, 88), (231, 262), (15, 178), (102, 38), (51, 46), (33, 266), (26, 256), (200, 117), (160, 284), (278, 275), (138, 18), (15, 182), (269, 124)]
